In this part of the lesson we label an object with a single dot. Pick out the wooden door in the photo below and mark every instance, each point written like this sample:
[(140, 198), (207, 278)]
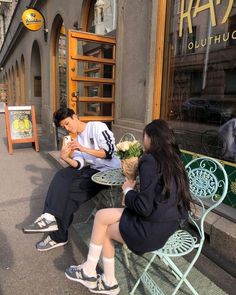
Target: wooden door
[(91, 74)]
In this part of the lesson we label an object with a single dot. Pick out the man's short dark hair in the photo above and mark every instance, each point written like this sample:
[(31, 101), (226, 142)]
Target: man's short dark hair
[(62, 114)]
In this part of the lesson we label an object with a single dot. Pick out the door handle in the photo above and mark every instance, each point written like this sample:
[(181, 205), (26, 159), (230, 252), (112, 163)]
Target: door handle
[(75, 96)]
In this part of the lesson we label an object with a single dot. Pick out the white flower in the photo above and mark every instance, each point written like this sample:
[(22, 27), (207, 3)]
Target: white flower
[(123, 146), (131, 143), (128, 149)]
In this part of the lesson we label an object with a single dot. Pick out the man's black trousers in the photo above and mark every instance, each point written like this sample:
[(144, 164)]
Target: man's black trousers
[(68, 190)]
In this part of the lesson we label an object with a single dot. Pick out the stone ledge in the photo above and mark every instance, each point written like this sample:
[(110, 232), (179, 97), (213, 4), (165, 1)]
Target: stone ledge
[(210, 219), (54, 157), (222, 234), (223, 238)]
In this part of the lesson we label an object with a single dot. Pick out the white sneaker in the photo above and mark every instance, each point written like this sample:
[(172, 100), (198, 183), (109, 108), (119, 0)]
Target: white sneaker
[(41, 225), (48, 244), (76, 273), (102, 288)]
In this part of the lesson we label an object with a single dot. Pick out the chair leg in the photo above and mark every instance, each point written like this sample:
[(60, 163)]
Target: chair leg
[(114, 196), (176, 271), (171, 269), (181, 275), (145, 270), (92, 214)]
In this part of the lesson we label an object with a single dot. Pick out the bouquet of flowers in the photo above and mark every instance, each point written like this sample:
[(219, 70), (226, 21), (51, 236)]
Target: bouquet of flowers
[(129, 153)]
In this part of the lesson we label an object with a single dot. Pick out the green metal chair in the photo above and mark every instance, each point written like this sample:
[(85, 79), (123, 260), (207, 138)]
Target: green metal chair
[(208, 185)]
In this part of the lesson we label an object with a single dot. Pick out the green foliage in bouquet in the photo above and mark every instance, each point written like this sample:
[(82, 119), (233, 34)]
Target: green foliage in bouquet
[(129, 149)]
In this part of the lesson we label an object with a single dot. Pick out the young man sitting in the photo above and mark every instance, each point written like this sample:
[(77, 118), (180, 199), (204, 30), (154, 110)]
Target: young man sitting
[(91, 151)]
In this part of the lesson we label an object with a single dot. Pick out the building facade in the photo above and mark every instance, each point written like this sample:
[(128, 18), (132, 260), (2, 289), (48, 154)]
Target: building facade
[(7, 8), (128, 62)]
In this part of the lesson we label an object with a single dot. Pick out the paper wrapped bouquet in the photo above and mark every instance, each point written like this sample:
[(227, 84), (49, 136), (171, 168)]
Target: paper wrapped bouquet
[(129, 152)]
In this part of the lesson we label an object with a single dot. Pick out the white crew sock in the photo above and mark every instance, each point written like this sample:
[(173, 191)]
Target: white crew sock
[(109, 271), (89, 267), (49, 216)]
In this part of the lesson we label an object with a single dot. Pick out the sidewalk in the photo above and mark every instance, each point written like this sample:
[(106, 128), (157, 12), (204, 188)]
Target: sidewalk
[(24, 180)]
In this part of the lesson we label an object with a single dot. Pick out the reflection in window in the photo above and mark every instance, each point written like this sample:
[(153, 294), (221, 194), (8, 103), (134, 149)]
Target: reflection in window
[(95, 49), (93, 89), (191, 39), (95, 109), (232, 28), (230, 82), (201, 88), (196, 83), (95, 70), (179, 44), (62, 68)]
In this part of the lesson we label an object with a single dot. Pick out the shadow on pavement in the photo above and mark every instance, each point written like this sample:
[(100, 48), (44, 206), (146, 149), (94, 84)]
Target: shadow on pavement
[(6, 253), (40, 178), (6, 256), (77, 248)]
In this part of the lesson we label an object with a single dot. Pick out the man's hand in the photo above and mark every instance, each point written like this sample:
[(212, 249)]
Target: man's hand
[(74, 145), (65, 152)]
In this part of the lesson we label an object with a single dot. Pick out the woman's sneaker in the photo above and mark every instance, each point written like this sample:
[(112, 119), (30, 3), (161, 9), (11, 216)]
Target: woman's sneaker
[(102, 288), (76, 273), (40, 225), (48, 244)]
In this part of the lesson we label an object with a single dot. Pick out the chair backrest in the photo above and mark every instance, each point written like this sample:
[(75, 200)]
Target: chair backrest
[(208, 183)]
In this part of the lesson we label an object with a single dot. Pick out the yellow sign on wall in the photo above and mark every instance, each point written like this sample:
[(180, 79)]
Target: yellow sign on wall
[(32, 19)]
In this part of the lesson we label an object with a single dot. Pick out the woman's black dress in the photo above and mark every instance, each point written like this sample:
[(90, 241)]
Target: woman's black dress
[(148, 221)]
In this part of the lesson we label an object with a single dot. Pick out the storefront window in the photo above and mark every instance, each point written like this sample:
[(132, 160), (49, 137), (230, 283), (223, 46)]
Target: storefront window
[(62, 68), (199, 90)]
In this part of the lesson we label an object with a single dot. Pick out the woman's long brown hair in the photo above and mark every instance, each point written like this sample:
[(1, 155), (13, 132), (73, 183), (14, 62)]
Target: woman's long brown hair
[(165, 150)]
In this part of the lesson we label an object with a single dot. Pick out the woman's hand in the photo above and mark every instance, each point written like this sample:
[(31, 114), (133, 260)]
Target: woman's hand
[(123, 200), (128, 183)]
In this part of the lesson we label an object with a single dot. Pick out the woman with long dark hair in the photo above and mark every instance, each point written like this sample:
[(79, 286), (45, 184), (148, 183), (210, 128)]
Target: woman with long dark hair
[(151, 215)]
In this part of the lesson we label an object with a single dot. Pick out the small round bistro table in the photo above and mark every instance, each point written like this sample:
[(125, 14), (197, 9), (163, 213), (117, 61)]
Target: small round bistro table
[(112, 177)]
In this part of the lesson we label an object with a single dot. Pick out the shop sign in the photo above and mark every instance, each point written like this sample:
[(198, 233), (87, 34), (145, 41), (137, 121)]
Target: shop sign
[(189, 13), (32, 19), (21, 126)]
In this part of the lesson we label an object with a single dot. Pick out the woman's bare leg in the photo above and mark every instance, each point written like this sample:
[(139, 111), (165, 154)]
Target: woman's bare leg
[(113, 233), (108, 253), (103, 220)]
